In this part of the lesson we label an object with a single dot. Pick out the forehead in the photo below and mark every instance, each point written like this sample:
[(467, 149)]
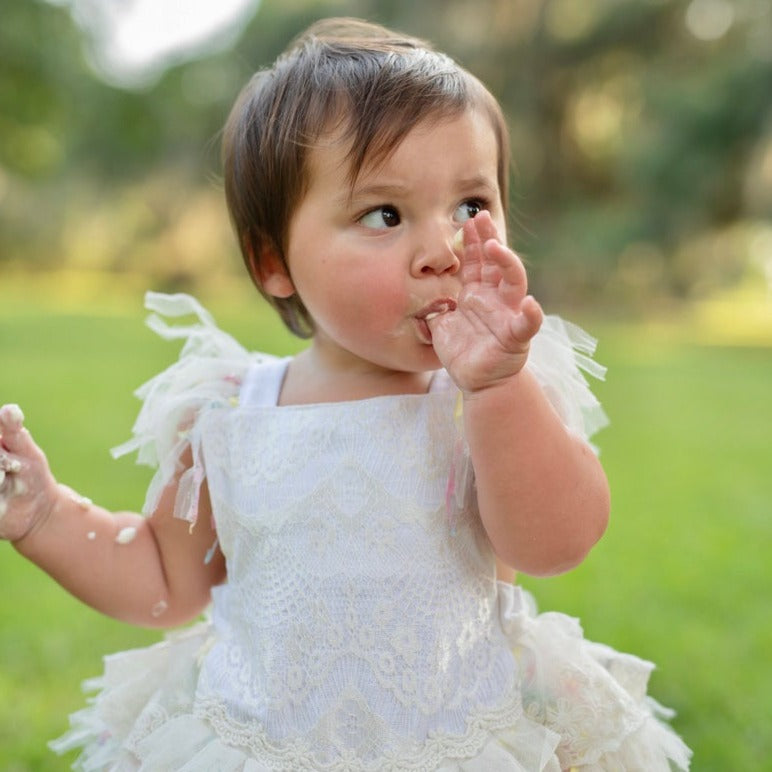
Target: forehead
[(468, 134)]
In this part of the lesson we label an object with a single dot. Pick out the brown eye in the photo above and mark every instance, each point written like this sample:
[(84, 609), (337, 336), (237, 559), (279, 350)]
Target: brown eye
[(468, 210), (381, 217)]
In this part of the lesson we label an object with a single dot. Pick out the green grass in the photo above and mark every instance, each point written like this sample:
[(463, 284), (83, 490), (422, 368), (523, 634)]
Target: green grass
[(681, 576)]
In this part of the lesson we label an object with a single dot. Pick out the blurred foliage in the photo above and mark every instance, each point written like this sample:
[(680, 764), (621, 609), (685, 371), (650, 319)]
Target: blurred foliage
[(642, 141)]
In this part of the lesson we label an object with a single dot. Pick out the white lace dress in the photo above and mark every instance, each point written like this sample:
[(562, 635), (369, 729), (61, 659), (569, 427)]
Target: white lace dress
[(361, 626)]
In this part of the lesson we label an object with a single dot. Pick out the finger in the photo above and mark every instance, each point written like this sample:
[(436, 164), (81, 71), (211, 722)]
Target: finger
[(504, 269), (10, 480), (8, 464), (529, 320), (472, 258), (15, 438), (486, 231), (11, 417), (485, 227)]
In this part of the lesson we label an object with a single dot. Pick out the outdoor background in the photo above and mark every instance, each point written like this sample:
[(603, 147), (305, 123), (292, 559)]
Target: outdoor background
[(641, 200)]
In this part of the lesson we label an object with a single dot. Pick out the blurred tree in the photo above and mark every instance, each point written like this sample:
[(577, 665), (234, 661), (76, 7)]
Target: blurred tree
[(640, 128)]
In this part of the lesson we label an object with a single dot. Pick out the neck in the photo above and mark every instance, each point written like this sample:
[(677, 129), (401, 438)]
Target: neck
[(311, 379)]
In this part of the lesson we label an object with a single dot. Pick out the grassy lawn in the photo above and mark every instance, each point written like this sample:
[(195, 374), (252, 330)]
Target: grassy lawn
[(682, 576)]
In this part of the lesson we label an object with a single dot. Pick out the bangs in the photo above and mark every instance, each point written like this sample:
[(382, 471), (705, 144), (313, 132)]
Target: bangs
[(369, 94), (376, 109)]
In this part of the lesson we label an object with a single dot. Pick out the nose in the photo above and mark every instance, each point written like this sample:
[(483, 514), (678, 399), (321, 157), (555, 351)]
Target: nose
[(435, 253)]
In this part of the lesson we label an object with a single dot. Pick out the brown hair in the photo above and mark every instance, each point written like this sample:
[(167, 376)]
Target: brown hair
[(361, 79)]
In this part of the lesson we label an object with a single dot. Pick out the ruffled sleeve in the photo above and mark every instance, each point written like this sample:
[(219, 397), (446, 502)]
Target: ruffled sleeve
[(560, 356), (207, 374)]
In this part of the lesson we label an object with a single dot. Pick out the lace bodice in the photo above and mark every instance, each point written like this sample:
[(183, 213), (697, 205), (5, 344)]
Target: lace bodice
[(356, 623)]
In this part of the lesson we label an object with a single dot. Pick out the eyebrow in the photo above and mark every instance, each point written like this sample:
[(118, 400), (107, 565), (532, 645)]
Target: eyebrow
[(480, 181), (389, 190), (377, 190)]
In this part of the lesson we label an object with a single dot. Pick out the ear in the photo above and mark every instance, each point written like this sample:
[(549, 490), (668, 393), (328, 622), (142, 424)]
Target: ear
[(270, 273)]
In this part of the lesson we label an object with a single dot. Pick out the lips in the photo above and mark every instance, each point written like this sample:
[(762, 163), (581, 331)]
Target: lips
[(429, 312)]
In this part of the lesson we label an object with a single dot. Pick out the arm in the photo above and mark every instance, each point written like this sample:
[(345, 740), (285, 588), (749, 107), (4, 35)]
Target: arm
[(147, 571), (542, 494)]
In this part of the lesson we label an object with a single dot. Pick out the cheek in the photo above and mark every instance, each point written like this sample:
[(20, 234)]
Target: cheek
[(501, 227), (362, 306), (383, 296), (370, 308)]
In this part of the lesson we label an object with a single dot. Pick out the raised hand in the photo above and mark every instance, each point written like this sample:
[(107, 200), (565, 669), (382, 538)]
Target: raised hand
[(485, 340), (27, 487)]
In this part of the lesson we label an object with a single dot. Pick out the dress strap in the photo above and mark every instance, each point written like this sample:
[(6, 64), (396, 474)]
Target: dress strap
[(262, 383)]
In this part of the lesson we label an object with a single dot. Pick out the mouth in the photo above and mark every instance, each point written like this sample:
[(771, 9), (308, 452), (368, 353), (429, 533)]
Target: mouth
[(429, 312)]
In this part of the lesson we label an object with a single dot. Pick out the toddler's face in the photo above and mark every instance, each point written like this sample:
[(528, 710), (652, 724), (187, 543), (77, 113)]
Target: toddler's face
[(370, 262)]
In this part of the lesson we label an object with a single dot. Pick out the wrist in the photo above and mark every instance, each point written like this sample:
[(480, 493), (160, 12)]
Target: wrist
[(504, 387)]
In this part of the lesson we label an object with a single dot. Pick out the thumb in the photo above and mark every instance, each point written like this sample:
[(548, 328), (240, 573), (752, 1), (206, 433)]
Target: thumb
[(13, 436)]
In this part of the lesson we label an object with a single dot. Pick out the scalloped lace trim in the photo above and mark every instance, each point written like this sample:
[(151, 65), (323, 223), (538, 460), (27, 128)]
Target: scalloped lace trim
[(350, 719)]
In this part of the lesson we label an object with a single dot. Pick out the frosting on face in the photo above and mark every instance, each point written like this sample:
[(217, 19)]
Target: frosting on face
[(458, 240)]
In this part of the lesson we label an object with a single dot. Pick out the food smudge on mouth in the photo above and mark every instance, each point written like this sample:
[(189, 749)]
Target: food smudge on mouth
[(432, 311)]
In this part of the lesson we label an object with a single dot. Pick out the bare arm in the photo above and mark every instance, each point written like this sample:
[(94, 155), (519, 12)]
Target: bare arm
[(542, 494), (147, 571)]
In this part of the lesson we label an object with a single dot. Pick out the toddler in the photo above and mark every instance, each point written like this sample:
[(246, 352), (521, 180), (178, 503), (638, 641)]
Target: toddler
[(353, 515)]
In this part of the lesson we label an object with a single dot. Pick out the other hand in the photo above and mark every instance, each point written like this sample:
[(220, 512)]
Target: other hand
[(27, 487)]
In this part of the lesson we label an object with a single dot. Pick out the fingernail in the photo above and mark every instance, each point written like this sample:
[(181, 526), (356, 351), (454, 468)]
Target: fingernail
[(13, 415)]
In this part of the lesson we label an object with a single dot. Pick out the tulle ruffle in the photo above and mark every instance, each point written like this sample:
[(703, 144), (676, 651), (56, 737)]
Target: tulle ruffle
[(208, 372), (591, 695), (559, 356), (585, 708)]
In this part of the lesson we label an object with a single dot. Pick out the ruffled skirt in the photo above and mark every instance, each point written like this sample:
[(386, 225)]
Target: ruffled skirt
[(585, 707)]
